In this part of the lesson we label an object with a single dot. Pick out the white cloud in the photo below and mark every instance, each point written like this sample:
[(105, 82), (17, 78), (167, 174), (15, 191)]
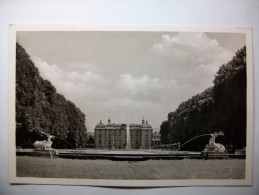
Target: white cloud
[(210, 68), (85, 77), (85, 85), (191, 57), (191, 49), (144, 84), (197, 41), (47, 71)]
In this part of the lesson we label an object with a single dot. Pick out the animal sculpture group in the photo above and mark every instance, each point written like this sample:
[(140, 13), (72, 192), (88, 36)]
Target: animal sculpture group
[(213, 146), (43, 145)]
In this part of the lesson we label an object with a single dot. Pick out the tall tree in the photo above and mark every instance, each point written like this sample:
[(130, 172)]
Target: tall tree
[(230, 99)]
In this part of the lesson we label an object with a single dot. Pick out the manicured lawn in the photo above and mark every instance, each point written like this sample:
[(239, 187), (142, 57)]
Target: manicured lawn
[(151, 169)]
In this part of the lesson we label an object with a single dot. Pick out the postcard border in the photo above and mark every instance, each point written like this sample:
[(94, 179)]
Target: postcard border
[(13, 29)]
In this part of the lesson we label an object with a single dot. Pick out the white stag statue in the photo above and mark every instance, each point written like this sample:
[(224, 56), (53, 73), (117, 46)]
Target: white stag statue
[(44, 145), (213, 146)]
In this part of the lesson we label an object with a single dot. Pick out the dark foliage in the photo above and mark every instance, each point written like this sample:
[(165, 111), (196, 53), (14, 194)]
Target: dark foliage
[(39, 108), (219, 108)]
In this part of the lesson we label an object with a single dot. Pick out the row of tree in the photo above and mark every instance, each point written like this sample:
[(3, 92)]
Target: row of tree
[(40, 110), (221, 107)]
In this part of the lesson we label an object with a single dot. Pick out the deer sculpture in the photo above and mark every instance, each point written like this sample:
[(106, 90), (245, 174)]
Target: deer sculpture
[(44, 145), (213, 146)]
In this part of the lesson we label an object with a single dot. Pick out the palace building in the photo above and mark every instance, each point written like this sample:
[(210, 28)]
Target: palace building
[(123, 136)]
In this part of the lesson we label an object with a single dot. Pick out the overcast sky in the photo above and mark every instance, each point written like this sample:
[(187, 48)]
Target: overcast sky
[(129, 73)]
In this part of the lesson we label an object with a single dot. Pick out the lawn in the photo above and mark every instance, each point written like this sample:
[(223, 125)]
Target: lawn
[(151, 169)]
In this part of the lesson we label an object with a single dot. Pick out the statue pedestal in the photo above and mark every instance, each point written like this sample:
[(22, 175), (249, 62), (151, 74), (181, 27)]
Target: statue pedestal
[(216, 148), (45, 153)]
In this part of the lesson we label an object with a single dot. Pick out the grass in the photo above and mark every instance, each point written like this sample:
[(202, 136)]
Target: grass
[(151, 169)]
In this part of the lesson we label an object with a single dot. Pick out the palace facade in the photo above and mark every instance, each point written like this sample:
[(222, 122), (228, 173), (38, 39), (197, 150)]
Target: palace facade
[(114, 136)]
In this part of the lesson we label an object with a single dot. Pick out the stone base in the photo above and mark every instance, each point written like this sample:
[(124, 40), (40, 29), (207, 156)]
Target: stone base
[(47, 153)]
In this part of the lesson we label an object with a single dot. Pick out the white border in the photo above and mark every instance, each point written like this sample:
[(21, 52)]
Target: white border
[(129, 183)]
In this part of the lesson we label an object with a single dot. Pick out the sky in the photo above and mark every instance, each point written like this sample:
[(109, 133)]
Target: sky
[(129, 75)]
